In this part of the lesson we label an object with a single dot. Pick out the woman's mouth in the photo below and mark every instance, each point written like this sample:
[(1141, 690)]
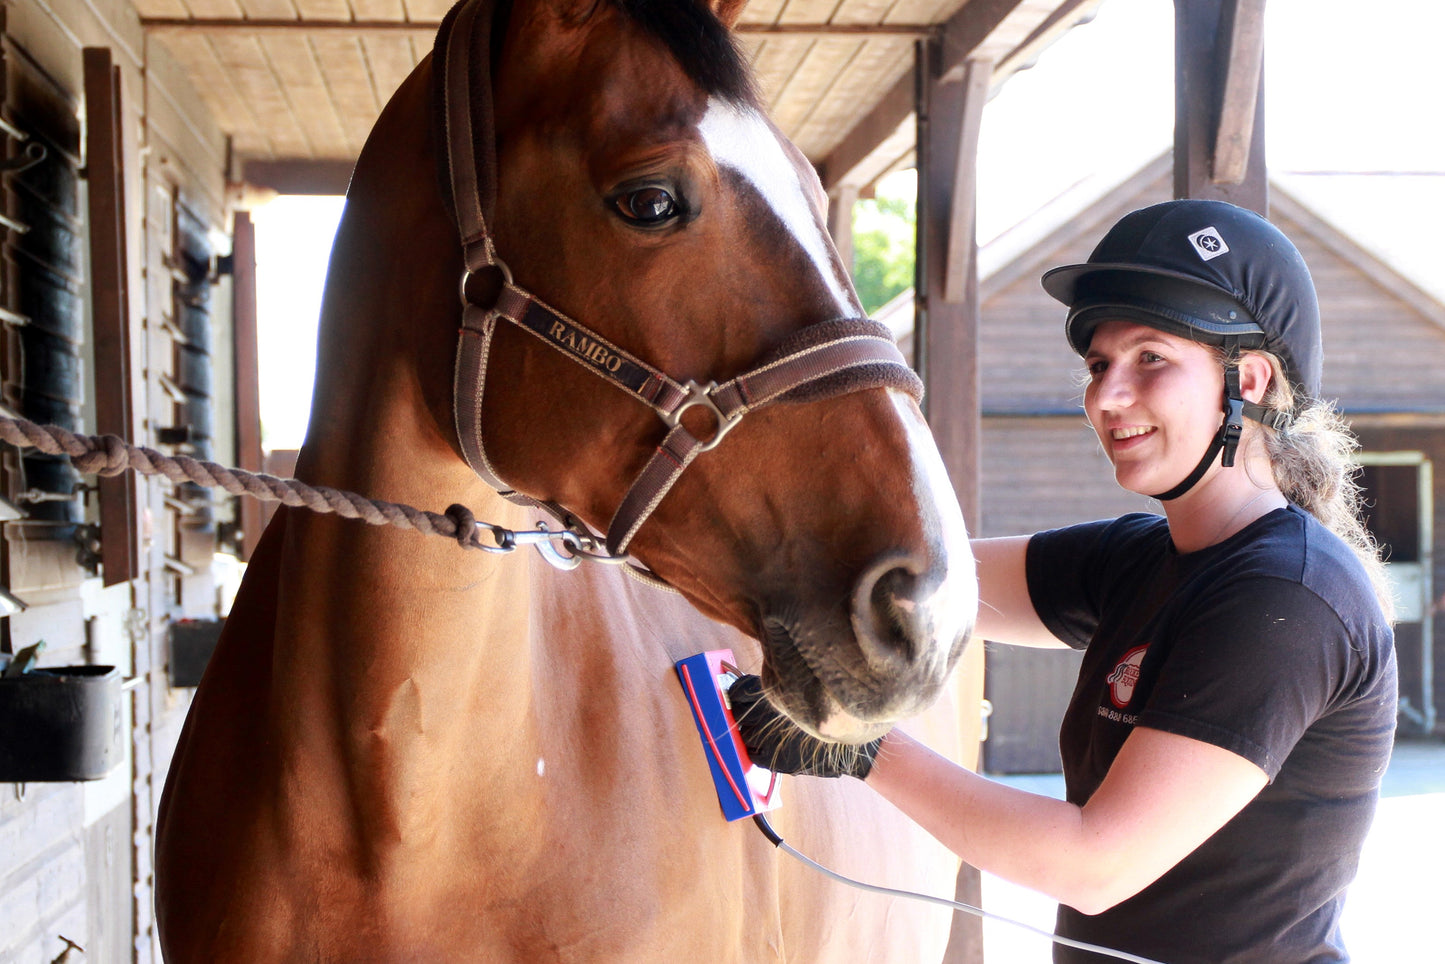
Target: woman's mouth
[(1123, 439)]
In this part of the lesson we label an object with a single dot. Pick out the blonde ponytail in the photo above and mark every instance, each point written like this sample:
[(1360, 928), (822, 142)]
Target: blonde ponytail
[(1314, 466)]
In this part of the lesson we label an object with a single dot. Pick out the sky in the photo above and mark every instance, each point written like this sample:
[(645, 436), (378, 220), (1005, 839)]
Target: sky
[(1353, 93)]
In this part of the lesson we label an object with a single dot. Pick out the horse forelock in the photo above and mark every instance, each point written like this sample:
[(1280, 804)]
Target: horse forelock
[(707, 51)]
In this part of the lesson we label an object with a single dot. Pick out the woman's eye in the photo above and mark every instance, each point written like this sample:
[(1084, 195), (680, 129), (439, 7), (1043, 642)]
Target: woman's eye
[(648, 206), (1096, 368), (1150, 357)]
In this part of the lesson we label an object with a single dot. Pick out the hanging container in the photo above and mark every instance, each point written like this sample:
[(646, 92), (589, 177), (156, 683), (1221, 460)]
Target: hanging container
[(60, 724)]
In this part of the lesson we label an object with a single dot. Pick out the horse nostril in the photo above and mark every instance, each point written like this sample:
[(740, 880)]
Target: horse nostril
[(894, 624)]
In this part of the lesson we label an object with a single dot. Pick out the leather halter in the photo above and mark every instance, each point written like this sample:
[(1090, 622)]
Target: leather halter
[(824, 360)]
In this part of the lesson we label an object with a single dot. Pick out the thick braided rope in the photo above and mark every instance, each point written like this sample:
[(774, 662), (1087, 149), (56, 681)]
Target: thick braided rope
[(110, 455)]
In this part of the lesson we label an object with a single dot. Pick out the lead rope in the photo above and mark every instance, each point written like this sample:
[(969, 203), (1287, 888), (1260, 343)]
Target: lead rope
[(110, 455)]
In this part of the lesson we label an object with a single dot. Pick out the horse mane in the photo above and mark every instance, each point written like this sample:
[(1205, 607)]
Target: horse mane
[(707, 51)]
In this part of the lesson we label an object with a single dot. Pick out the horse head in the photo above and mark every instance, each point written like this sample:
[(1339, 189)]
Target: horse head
[(630, 183)]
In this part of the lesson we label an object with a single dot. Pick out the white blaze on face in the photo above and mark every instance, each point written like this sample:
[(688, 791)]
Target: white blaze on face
[(739, 138)]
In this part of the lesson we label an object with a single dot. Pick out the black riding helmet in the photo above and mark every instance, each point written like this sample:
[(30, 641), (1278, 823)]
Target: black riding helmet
[(1210, 271)]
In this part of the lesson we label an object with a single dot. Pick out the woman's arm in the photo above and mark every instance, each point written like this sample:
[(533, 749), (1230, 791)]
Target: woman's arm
[(1163, 797), (1005, 610)]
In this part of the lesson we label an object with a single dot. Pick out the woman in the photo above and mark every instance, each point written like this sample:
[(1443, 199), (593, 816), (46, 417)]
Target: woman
[(1235, 707)]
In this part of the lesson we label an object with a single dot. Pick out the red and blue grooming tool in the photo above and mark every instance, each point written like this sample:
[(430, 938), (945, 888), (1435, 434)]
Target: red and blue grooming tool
[(743, 789)]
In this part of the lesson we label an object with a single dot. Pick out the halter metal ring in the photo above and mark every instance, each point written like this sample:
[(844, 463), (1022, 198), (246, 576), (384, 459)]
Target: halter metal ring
[(697, 395), (498, 263)]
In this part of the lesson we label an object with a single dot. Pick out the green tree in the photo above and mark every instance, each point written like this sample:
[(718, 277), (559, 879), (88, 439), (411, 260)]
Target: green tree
[(883, 238)]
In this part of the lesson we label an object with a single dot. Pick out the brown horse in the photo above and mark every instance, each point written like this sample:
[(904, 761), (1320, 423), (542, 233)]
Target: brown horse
[(405, 751)]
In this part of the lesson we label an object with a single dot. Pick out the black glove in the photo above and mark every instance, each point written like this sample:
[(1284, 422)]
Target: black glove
[(776, 742)]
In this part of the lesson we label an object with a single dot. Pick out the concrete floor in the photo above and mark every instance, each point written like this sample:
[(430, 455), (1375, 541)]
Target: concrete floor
[(1393, 914)]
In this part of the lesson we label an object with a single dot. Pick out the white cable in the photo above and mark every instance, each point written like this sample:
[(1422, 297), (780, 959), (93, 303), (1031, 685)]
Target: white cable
[(967, 908)]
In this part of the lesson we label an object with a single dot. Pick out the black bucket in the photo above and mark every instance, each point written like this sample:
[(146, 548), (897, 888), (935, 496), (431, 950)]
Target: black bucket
[(60, 724), (192, 642)]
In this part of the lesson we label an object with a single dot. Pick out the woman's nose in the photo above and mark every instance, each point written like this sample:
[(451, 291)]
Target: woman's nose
[(1113, 389)]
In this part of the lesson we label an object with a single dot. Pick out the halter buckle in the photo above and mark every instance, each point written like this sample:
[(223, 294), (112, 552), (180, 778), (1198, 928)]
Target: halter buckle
[(698, 395)]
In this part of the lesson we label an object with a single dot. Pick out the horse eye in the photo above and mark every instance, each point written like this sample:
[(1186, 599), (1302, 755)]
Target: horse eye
[(648, 206)]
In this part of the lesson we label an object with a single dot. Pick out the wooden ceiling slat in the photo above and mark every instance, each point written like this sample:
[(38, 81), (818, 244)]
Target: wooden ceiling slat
[(427, 10), (378, 9), (814, 75), (775, 63), (160, 8), (269, 9), (861, 12), (201, 9), (349, 80), (255, 81), (876, 68), (923, 11), (294, 61), (324, 9), (761, 11), (198, 59), (807, 11), (391, 60)]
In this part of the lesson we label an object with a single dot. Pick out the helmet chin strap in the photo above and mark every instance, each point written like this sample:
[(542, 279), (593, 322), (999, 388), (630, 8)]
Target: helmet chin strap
[(1226, 440)]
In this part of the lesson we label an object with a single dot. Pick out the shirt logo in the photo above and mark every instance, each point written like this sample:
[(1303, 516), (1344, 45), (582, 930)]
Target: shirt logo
[(1126, 676), (1208, 244)]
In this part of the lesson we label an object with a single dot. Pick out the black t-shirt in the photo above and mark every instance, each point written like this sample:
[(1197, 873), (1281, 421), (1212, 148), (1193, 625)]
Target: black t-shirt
[(1271, 645)]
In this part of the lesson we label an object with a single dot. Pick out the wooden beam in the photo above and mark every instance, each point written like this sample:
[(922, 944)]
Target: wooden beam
[(261, 27), (1201, 55), (249, 455), (110, 304), (961, 34), (323, 176), (946, 346), (959, 267), (1240, 93), (840, 222)]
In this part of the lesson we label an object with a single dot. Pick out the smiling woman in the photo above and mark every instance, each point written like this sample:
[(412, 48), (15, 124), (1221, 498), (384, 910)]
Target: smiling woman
[(1237, 689)]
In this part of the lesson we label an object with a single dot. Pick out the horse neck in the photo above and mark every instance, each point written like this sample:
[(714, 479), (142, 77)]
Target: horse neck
[(386, 638)]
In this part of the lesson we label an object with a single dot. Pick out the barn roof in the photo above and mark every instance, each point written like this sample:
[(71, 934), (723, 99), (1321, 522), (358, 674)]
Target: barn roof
[(304, 80)]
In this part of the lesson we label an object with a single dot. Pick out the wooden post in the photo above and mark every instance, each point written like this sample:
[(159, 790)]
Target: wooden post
[(1218, 102), (109, 299), (948, 283), (946, 346), (249, 455), (840, 221)]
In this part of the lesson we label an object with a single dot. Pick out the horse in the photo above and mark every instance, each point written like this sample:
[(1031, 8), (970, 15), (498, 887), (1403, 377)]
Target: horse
[(403, 751)]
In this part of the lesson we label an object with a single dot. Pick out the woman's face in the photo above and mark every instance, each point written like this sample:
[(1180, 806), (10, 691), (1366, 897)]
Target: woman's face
[(1154, 400)]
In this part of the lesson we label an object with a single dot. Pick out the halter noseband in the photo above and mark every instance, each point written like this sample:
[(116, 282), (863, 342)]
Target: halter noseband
[(821, 361)]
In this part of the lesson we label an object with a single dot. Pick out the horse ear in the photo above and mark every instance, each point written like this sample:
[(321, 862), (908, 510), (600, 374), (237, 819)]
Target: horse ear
[(728, 11)]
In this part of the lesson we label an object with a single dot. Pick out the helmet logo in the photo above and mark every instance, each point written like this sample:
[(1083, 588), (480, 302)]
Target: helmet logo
[(1208, 244)]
